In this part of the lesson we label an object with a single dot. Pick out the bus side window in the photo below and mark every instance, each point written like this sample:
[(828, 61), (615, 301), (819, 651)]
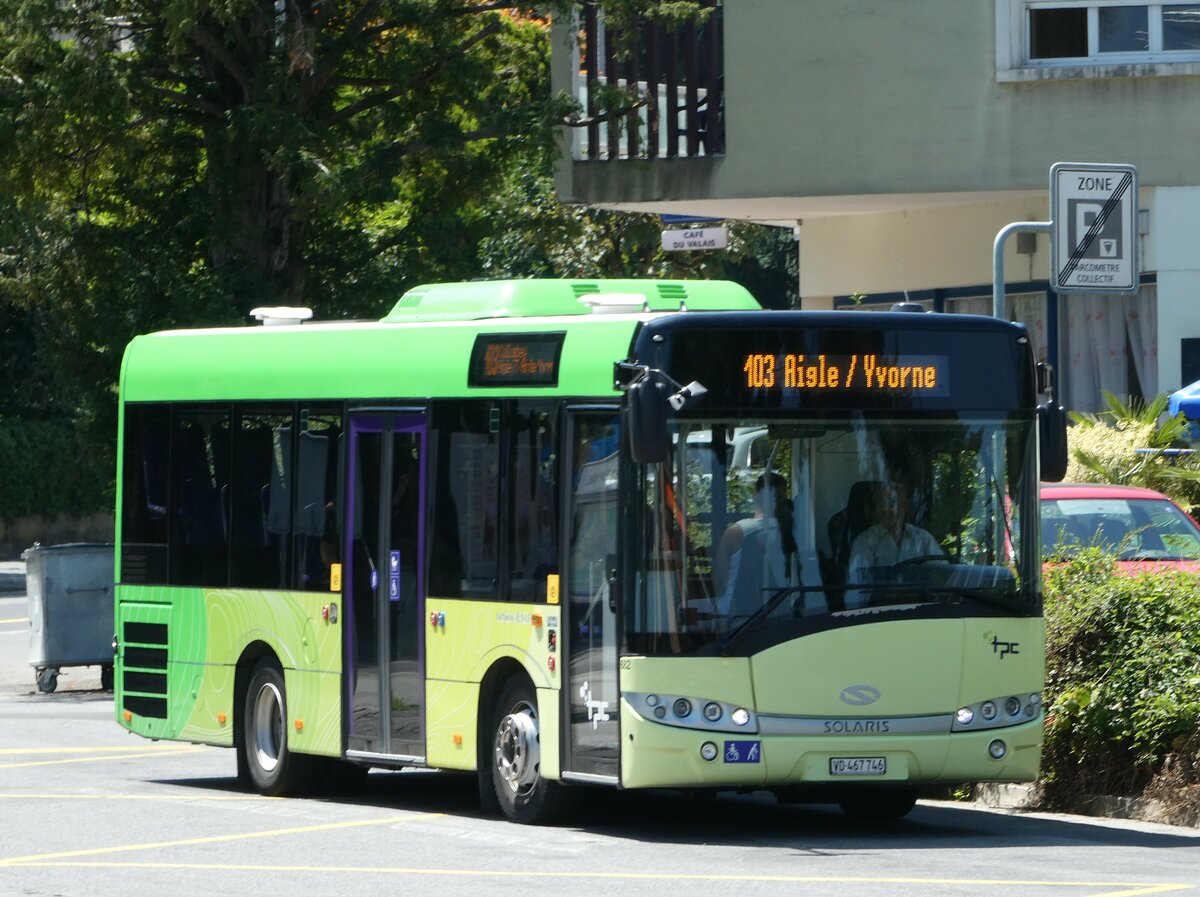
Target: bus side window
[(316, 524), (533, 509), (200, 527), (144, 484), (465, 559), (258, 544)]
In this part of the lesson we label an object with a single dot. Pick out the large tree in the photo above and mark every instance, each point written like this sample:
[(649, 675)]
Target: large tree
[(167, 162), (283, 132), (174, 162)]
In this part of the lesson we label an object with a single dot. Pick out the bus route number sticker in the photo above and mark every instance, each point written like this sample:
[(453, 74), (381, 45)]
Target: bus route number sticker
[(743, 752)]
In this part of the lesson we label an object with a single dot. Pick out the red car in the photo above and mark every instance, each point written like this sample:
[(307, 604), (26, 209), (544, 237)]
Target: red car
[(1144, 529)]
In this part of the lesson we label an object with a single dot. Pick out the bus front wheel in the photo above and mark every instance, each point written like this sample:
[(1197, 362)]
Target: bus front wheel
[(515, 767), (263, 752)]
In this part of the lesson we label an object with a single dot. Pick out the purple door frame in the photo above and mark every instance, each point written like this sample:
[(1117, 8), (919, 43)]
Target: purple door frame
[(380, 422)]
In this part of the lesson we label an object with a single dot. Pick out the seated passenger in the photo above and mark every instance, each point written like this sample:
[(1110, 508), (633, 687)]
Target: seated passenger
[(754, 555)]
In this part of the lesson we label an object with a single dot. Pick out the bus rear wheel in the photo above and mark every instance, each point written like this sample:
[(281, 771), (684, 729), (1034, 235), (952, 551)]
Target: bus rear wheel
[(264, 754), (515, 767), (879, 805)]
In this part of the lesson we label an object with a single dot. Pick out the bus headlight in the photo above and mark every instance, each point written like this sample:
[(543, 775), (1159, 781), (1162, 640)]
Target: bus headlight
[(997, 713), (708, 751), (997, 749), (692, 712)]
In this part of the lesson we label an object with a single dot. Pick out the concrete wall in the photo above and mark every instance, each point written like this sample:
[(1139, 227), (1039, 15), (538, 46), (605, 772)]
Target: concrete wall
[(876, 97), (1175, 238), (916, 249)]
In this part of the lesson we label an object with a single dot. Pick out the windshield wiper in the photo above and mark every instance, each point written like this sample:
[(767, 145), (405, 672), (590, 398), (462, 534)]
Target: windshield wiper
[(752, 621), (983, 594)]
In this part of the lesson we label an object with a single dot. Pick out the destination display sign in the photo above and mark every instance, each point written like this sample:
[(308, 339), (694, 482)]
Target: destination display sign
[(515, 359), (837, 362), (859, 372)]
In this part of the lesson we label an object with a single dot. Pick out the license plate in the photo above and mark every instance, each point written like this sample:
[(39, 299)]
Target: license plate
[(857, 766)]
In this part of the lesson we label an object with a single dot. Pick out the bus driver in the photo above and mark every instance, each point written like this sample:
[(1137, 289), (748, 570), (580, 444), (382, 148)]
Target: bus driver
[(888, 541)]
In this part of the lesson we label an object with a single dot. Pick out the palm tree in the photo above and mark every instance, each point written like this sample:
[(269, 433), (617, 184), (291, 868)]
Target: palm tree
[(1135, 443)]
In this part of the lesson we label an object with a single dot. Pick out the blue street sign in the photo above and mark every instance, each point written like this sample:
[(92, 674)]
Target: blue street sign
[(686, 219)]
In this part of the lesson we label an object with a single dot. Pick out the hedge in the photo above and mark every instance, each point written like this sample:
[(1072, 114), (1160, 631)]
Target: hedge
[(1122, 684), (47, 469)]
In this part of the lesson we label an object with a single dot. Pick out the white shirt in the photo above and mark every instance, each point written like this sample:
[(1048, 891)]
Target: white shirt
[(877, 547)]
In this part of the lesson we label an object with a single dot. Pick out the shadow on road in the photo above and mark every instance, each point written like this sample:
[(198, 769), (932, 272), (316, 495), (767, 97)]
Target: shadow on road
[(748, 820)]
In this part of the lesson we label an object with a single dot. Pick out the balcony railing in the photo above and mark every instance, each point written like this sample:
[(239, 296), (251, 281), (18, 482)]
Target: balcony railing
[(649, 91)]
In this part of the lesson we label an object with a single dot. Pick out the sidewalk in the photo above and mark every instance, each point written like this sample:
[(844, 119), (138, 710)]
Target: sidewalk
[(12, 576)]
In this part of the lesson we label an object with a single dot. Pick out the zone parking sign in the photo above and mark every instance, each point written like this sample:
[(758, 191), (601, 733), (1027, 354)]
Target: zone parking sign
[(1094, 242)]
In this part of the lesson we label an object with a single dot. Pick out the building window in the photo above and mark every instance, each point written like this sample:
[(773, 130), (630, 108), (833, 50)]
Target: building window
[(1039, 39)]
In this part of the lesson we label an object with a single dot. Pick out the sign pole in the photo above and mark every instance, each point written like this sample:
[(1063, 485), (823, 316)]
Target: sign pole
[(1036, 227)]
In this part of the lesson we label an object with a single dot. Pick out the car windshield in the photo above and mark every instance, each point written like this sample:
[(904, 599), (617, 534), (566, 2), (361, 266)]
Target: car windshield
[(754, 532), (1133, 529)]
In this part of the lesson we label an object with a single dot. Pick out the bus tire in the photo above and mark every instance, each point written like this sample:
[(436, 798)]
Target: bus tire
[(514, 767), (879, 805), (263, 752)]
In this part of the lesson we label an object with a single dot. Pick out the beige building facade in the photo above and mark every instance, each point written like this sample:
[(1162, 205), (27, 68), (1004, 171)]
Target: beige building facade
[(896, 139)]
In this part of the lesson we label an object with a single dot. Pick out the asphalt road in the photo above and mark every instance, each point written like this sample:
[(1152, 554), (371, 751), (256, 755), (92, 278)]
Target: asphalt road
[(86, 809)]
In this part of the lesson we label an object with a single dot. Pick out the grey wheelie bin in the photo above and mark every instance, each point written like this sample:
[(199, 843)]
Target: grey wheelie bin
[(70, 592)]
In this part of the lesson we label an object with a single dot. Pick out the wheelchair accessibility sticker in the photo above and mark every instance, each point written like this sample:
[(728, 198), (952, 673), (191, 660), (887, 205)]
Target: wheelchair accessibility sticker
[(743, 752)]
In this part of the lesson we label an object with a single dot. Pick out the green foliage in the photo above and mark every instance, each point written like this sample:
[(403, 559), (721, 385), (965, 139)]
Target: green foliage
[(530, 234), (45, 469), (1122, 676), (1127, 444), (179, 162)]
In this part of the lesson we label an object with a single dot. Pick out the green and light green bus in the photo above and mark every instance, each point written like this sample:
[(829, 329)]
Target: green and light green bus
[(612, 532)]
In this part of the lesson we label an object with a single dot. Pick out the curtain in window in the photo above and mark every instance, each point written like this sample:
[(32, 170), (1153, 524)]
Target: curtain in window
[(1141, 317), (1030, 309), (1027, 308), (1103, 338)]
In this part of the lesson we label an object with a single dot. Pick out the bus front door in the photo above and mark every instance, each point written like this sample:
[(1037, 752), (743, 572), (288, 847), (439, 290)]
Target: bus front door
[(591, 685), (384, 587)]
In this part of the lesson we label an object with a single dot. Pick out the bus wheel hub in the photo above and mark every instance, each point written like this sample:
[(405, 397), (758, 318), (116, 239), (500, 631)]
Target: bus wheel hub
[(518, 755)]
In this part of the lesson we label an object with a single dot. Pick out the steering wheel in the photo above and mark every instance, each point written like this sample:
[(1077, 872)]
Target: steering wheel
[(923, 559)]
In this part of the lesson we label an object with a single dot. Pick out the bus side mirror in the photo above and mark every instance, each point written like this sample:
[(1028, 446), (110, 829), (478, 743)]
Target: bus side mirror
[(1052, 442), (646, 421)]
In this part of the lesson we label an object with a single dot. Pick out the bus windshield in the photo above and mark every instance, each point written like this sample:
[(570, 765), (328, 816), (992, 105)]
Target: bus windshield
[(755, 532)]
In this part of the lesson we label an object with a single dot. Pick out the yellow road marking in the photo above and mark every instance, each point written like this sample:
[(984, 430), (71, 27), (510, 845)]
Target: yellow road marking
[(149, 748), (1135, 890), (43, 858), (70, 859), (15, 620), (146, 797), (142, 754)]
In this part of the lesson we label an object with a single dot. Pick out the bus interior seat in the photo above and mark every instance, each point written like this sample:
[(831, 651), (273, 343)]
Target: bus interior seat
[(845, 525)]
